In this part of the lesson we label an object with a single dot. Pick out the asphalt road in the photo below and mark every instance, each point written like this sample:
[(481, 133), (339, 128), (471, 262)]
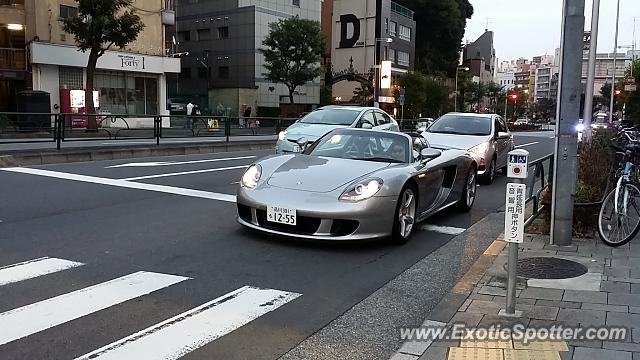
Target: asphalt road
[(134, 256)]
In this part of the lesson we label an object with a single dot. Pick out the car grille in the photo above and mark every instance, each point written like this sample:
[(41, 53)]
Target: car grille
[(305, 225)]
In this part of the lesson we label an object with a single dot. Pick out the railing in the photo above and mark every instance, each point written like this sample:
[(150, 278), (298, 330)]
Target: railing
[(39, 127), (537, 184), (13, 59)]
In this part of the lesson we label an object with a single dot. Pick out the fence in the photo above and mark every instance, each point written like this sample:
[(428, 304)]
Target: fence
[(39, 127)]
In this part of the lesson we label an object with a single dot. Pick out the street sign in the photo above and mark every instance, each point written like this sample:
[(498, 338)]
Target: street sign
[(586, 38), (630, 80), (517, 167), (630, 87), (514, 213)]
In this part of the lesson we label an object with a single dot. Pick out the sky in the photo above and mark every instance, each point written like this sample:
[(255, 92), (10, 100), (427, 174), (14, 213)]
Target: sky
[(530, 28)]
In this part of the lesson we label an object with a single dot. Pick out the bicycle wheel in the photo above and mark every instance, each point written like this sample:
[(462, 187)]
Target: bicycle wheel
[(618, 227)]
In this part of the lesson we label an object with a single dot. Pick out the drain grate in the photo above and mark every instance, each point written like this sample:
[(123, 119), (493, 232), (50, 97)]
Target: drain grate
[(549, 268)]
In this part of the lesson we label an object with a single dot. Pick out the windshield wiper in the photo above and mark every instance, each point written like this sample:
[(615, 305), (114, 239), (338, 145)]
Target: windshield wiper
[(380, 159)]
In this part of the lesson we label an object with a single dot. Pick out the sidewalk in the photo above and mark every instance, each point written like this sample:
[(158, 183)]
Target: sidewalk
[(606, 294)]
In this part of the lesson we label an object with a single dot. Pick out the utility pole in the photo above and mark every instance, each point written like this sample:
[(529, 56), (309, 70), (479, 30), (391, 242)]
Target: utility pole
[(615, 57), (567, 113), (593, 49)]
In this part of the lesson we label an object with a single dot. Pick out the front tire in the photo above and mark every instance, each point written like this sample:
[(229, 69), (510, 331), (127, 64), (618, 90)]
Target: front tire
[(618, 228), (405, 215), (468, 196), (490, 174)]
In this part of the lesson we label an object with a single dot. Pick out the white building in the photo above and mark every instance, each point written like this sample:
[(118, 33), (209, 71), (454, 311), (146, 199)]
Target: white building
[(506, 80)]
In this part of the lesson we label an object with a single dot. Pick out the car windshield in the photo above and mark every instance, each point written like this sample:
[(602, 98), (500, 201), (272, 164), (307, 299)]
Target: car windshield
[(363, 145), (462, 125), (331, 117)]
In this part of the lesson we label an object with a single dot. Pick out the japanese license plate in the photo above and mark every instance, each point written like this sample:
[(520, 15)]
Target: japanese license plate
[(281, 215)]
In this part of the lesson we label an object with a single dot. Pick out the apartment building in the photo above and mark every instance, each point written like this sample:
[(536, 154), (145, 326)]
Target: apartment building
[(604, 69)]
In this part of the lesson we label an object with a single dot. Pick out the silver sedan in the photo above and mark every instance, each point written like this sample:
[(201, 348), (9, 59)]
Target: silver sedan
[(355, 184)]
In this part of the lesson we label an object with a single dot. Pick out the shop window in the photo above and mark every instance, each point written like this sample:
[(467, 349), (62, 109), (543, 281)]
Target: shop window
[(70, 78), (127, 93), (67, 12), (223, 72)]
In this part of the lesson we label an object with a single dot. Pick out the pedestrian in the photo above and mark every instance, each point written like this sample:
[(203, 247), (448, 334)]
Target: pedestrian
[(190, 106), (247, 116)]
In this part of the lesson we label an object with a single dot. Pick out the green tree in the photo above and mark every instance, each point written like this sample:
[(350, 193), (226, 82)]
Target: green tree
[(545, 108), (99, 26), (494, 92), (440, 29), (423, 95), (633, 98), (294, 48), (362, 95), (474, 95)]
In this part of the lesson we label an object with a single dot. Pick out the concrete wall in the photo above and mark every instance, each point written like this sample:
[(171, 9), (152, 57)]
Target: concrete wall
[(43, 22), (46, 78)]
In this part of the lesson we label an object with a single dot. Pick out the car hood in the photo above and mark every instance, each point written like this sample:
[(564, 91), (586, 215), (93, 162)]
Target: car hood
[(463, 142), (320, 174), (311, 131)]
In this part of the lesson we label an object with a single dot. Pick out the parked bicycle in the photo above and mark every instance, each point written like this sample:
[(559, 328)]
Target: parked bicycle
[(619, 216)]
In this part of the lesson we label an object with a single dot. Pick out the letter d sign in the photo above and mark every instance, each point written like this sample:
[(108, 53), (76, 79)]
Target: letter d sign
[(345, 20)]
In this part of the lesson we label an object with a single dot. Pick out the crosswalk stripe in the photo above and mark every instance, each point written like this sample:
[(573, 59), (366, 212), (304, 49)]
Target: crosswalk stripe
[(178, 336), (36, 317), (449, 230), (34, 268)]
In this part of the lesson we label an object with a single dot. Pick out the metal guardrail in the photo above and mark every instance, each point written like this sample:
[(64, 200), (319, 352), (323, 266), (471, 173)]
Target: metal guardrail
[(47, 127), (534, 192)]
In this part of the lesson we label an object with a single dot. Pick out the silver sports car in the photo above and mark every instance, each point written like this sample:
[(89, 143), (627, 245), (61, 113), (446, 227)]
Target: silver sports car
[(354, 184)]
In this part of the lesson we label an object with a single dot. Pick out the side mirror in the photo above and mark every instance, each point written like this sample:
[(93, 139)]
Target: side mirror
[(428, 154), (367, 125), (503, 135)]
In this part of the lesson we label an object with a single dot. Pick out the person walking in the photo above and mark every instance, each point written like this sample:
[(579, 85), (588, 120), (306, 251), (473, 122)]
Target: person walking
[(188, 123)]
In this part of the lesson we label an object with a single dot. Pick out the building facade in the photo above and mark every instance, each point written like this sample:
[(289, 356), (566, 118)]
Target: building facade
[(367, 34), (507, 80), (480, 57), (543, 77), (604, 69), (128, 81), (220, 43)]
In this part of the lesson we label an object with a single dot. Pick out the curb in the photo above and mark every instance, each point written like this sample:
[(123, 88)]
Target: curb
[(83, 155)]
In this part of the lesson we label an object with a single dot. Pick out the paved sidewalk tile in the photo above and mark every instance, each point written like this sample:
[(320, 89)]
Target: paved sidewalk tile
[(468, 318), (541, 293), (583, 317), (435, 353), (492, 290), (585, 296), (484, 307), (531, 355), (474, 353), (622, 319), (605, 307), (611, 286), (541, 345), (620, 272), (399, 356), (581, 353), (623, 346), (542, 312), (635, 288), (624, 299), (560, 304)]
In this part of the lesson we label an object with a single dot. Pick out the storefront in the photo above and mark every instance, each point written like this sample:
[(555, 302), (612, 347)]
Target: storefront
[(127, 83)]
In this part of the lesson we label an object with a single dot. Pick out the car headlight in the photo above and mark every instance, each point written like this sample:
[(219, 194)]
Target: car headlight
[(251, 177), (282, 135), (480, 150), (362, 190)]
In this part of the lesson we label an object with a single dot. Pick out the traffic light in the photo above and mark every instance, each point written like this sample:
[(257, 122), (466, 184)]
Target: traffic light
[(618, 92), (514, 97)]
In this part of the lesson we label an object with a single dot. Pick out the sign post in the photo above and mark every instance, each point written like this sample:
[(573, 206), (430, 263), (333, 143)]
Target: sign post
[(517, 172)]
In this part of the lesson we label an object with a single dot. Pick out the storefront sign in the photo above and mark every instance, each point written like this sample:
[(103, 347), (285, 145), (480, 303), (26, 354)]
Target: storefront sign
[(132, 62), (77, 99), (385, 75)]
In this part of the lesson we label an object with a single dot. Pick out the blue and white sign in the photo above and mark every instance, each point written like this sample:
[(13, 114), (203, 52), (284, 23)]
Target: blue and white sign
[(517, 167)]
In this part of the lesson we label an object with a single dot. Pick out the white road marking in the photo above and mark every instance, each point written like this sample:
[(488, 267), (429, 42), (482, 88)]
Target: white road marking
[(528, 144), (34, 268), (33, 318), (443, 229), (126, 184), (171, 163), (180, 335), (185, 173)]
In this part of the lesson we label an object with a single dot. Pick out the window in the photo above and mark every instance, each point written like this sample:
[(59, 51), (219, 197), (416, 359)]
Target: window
[(203, 34), (127, 93), (382, 118), (184, 36), (393, 28), (386, 25), (223, 72), (70, 78), (367, 118), (67, 12), (223, 32), (403, 58), (392, 56), (405, 33), (296, 3)]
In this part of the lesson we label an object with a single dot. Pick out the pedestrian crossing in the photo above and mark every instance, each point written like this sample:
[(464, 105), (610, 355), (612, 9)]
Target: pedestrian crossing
[(169, 339)]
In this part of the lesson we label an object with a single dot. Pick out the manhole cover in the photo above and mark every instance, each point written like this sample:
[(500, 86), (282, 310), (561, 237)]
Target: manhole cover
[(549, 268)]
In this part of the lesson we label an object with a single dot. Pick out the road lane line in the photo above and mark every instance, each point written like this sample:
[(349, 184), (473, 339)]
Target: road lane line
[(34, 268), (36, 317), (125, 184), (443, 229), (528, 144), (180, 335), (171, 163), (185, 173)]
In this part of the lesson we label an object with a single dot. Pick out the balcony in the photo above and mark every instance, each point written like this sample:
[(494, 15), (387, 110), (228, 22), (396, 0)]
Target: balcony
[(12, 59)]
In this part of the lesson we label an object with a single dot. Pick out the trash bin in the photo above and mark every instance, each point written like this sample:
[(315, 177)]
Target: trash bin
[(32, 102)]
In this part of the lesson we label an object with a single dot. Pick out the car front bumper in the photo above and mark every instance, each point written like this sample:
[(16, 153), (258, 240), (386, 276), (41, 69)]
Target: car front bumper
[(320, 216)]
